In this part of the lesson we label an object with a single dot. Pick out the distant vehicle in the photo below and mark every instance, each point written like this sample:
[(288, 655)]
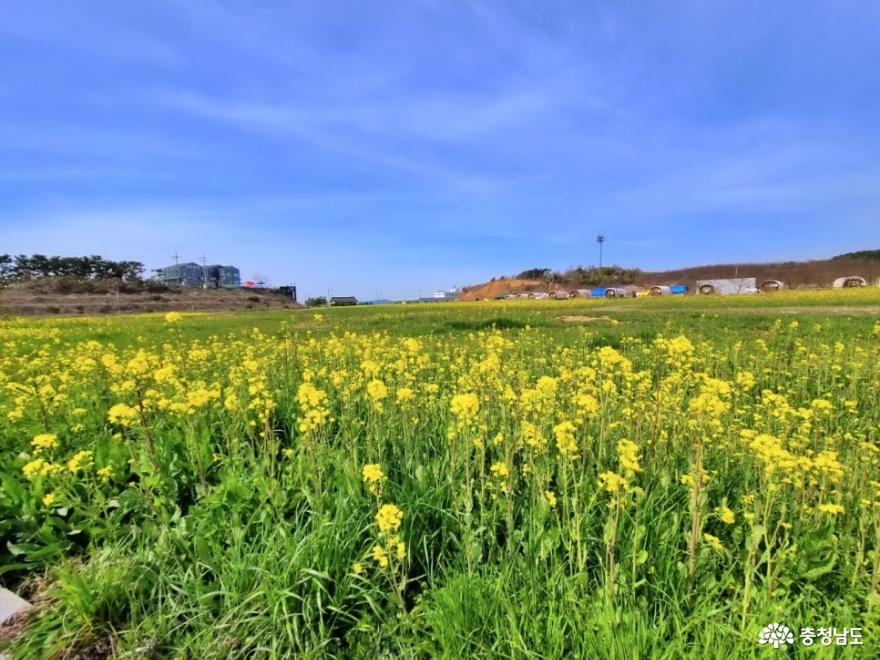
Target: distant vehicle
[(343, 301), (727, 287)]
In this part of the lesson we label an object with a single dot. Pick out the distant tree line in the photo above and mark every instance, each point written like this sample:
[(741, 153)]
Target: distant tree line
[(862, 254), (22, 267), (536, 274), (584, 275)]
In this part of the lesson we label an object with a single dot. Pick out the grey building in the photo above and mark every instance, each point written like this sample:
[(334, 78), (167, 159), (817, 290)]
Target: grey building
[(188, 274), (191, 274)]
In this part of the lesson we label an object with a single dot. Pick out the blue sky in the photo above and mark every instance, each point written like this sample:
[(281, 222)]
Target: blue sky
[(405, 146)]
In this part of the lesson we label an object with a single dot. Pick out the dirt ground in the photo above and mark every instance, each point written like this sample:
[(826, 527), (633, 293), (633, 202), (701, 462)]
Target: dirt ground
[(15, 302)]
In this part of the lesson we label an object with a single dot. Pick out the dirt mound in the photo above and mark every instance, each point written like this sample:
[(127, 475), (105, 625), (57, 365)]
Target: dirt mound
[(500, 287)]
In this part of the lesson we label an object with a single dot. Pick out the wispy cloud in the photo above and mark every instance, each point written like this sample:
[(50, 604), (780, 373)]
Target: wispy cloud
[(416, 141)]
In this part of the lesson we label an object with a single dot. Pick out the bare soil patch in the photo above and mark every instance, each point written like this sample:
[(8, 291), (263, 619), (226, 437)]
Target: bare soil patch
[(833, 310), (585, 319)]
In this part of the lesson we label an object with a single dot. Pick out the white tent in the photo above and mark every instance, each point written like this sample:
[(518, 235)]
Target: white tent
[(849, 281), (726, 287), (768, 286)]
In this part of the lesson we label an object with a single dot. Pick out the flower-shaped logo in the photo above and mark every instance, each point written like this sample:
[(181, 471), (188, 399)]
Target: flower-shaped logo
[(776, 634)]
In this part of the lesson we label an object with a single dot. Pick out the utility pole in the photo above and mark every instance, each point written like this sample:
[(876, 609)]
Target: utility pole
[(600, 239), (204, 272)]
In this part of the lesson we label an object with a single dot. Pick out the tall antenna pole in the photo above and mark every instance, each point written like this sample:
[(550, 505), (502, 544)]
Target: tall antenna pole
[(204, 272), (176, 270), (600, 239)]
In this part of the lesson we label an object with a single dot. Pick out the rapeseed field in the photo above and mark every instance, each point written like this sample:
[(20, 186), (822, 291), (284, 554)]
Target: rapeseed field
[(501, 479)]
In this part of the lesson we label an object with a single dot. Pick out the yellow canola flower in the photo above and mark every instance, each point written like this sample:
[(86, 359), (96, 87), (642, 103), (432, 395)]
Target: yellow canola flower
[(612, 482), (373, 476), (372, 473), (121, 414), (44, 441), (376, 390), (80, 461), (833, 509), (396, 546), (389, 518), (628, 454), (550, 496), (714, 542), (173, 317), (745, 380), (532, 436), (465, 406), (310, 396), (39, 468), (48, 499), (547, 386), (726, 515), (566, 444), (380, 555)]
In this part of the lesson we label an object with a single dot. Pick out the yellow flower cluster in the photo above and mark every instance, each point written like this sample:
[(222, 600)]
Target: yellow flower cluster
[(373, 476), (44, 441), (388, 518)]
